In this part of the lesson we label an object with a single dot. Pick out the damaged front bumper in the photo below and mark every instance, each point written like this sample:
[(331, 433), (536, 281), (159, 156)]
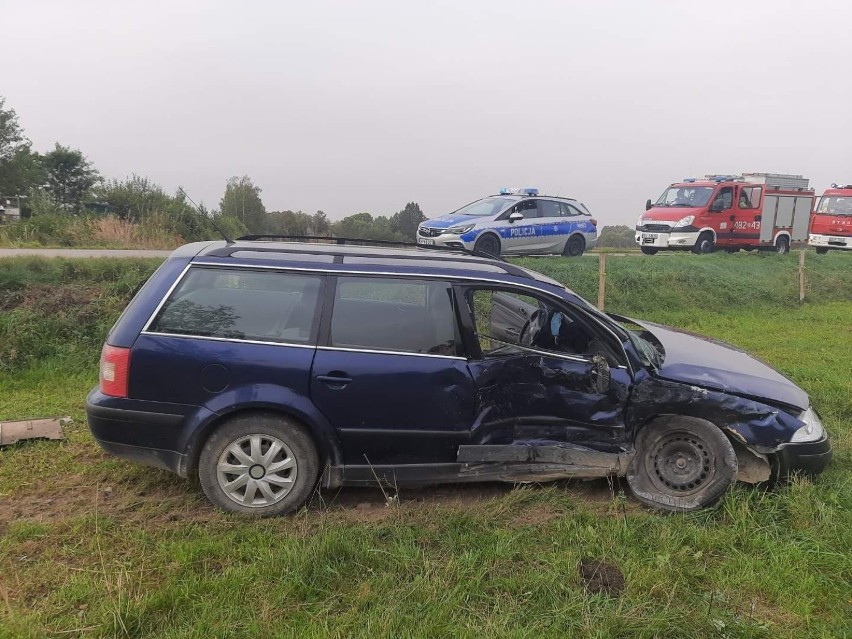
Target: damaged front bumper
[(808, 458)]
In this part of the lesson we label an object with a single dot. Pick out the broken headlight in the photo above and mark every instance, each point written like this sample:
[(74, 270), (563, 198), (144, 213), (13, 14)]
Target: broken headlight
[(812, 430)]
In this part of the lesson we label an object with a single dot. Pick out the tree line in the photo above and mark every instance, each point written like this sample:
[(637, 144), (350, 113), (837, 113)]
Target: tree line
[(62, 182)]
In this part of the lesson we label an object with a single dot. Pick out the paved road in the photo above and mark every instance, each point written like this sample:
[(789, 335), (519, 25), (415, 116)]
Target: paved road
[(49, 252)]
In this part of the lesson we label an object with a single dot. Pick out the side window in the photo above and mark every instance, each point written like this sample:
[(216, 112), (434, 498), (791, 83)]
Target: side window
[(394, 314), (750, 197), (549, 208), (507, 322), (569, 210), (529, 208), (725, 197), (269, 306)]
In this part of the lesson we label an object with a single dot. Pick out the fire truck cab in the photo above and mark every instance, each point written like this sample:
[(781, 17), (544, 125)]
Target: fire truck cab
[(831, 222), (767, 211)]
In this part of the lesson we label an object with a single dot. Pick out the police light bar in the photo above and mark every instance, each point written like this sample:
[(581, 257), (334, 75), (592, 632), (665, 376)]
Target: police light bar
[(518, 191)]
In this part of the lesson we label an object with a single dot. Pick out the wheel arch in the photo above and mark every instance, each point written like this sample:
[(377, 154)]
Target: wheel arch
[(322, 434)]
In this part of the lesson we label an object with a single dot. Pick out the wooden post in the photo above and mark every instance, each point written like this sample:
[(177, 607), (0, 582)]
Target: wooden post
[(601, 280), (801, 276)]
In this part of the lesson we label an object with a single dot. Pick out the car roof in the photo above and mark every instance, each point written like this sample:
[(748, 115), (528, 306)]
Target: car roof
[(519, 196), (327, 254)]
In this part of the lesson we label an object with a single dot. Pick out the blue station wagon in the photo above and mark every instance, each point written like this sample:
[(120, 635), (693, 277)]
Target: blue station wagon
[(267, 367)]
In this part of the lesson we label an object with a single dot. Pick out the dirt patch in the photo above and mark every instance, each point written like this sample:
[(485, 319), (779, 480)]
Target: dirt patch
[(156, 498), (601, 577), (56, 299)]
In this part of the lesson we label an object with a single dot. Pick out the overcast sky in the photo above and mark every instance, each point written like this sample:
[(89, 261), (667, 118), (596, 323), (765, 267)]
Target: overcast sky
[(364, 106)]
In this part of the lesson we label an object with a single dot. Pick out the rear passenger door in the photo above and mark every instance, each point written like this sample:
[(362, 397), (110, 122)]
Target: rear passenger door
[(388, 372)]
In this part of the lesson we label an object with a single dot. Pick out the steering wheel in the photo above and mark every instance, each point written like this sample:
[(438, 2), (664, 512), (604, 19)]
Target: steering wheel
[(526, 337)]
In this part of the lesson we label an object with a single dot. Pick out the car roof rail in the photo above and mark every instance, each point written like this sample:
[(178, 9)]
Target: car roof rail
[(354, 241)]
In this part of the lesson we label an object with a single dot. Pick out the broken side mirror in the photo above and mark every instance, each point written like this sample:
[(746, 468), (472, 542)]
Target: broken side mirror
[(515, 216), (600, 374), (649, 205)]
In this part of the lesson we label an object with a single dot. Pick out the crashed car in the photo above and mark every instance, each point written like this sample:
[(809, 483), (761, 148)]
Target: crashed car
[(267, 367)]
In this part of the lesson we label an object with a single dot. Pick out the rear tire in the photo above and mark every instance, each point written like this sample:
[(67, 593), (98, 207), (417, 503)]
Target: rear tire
[(821, 251), (732, 250), (647, 250), (488, 244), (575, 246), (681, 464), (260, 464), (705, 244), (782, 245)]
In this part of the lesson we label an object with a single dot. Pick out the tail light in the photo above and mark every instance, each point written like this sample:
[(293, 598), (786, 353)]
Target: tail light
[(115, 368), (593, 221)]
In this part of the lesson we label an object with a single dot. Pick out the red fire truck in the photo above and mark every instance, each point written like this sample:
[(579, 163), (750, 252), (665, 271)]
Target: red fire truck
[(831, 222), (766, 211)]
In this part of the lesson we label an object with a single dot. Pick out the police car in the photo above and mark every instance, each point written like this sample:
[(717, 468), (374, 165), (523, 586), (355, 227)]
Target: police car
[(515, 222)]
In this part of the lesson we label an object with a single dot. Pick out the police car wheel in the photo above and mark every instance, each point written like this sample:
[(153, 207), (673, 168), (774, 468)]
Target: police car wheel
[(488, 244), (574, 247)]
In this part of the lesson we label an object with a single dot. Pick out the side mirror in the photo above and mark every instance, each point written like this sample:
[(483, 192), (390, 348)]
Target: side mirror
[(648, 204), (600, 374), (517, 216), (716, 207)]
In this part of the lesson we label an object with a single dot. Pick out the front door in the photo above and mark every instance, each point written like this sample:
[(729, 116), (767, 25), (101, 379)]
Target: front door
[(523, 235), (388, 373), (544, 373)]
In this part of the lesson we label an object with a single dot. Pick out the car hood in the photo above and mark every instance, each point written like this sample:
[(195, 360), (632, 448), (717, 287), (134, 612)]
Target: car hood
[(669, 213), (715, 365), (452, 219)]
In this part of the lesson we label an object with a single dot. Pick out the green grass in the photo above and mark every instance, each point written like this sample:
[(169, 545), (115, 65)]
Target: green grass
[(97, 547)]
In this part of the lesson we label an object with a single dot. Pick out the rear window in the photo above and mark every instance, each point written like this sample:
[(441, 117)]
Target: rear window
[(268, 306)]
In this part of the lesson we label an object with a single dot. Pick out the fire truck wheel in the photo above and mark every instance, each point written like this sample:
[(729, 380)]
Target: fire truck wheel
[(488, 244), (782, 245), (681, 464), (732, 250), (574, 246), (647, 250), (705, 244), (821, 251)]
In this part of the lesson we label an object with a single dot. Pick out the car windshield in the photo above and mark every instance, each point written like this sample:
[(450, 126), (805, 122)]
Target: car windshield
[(486, 207), (650, 351), (835, 205), (686, 196)]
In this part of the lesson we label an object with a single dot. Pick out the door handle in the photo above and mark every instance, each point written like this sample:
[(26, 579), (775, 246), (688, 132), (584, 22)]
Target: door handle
[(339, 380)]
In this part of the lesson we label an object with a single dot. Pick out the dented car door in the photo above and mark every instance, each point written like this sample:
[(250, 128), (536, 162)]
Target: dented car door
[(542, 375)]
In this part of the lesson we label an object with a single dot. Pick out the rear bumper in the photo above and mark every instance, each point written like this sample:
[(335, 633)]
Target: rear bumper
[(809, 458), (126, 429)]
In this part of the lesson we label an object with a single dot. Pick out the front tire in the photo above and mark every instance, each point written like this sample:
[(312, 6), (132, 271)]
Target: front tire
[(488, 244), (821, 251), (575, 246), (647, 250), (782, 245), (260, 464), (705, 244), (681, 464)]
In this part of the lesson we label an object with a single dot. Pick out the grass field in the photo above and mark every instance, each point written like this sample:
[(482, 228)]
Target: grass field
[(93, 546)]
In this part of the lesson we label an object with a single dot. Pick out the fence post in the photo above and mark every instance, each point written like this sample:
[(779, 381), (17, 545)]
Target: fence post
[(801, 276), (601, 280)]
